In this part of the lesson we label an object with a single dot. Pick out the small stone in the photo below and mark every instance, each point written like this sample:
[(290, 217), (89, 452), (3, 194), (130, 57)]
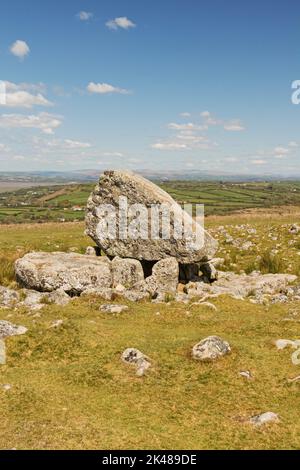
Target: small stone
[(6, 387), (209, 305), (113, 308), (210, 348), (246, 373), (56, 324), (138, 359), (9, 329), (2, 353), (265, 418), (284, 343)]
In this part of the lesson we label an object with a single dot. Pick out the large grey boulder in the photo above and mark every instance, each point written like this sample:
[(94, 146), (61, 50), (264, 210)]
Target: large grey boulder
[(139, 244), (71, 272)]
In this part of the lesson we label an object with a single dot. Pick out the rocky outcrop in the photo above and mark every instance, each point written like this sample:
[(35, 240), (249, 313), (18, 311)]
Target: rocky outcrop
[(134, 241), (71, 272)]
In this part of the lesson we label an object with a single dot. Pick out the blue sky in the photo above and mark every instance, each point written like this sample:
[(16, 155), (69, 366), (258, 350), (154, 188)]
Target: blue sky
[(139, 84)]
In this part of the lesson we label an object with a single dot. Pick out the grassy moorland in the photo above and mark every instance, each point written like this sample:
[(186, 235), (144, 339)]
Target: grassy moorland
[(69, 388)]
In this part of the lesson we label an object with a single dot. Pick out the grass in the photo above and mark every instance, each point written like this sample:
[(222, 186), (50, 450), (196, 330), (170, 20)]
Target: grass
[(70, 390)]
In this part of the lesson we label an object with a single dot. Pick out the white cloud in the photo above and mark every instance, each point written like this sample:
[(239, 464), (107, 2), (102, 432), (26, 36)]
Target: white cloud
[(185, 127), (120, 22), (85, 15), (19, 96), (104, 88), (74, 144), (4, 148), (281, 151), (234, 126), (170, 146), (20, 49), (258, 162), (45, 122), (113, 154), (185, 115), (293, 144), (205, 114), (19, 157)]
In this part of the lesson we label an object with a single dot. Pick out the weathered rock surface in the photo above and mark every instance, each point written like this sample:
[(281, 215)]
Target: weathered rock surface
[(164, 278), (8, 297), (210, 348), (241, 286), (136, 358), (71, 272), (265, 418), (9, 329), (126, 272), (140, 245)]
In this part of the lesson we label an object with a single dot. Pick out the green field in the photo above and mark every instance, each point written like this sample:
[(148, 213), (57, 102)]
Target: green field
[(58, 203)]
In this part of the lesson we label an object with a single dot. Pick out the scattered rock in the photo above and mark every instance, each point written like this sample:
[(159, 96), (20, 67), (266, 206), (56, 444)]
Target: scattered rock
[(9, 329), (134, 189), (240, 286), (246, 374), (209, 305), (295, 379), (56, 324), (265, 418), (6, 387), (2, 353), (294, 229), (284, 343), (8, 297), (210, 348), (138, 359), (71, 272), (113, 308)]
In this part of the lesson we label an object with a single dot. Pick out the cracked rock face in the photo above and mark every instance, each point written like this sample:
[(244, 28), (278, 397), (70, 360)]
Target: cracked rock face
[(210, 348), (115, 184), (71, 272)]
